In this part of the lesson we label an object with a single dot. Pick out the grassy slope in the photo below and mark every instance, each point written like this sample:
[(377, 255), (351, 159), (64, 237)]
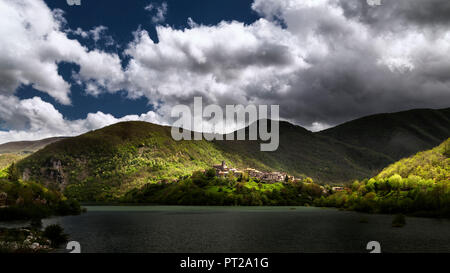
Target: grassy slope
[(14, 151), (396, 135), (431, 164), (26, 147), (7, 159)]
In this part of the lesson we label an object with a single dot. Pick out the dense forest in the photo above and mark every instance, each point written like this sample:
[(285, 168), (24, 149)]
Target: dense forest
[(418, 185), (30, 200), (208, 189)]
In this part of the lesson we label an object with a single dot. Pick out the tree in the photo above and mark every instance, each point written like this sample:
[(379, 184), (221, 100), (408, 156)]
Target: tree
[(210, 173), (244, 177), (447, 149), (13, 173), (199, 179), (230, 176), (56, 235), (308, 180), (395, 181), (355, 186)]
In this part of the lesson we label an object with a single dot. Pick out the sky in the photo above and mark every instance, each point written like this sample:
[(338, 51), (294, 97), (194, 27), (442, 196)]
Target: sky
[(65, 70)]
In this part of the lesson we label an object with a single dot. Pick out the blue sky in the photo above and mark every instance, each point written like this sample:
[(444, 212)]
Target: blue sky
[(122, 18), (65, 70)]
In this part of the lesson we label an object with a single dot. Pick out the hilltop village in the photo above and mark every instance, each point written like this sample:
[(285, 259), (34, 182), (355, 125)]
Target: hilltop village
[(222, 170)]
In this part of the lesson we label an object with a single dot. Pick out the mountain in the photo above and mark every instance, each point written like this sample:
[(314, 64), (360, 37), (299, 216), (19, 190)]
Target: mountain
[(26, 147), (105, 163), (302, 152), (396, 135)]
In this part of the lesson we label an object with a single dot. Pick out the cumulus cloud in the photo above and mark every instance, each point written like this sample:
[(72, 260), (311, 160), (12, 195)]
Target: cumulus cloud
[(322, 61), (33, 44), (159, 11), (96, 34), (32, 119), (227, 63)]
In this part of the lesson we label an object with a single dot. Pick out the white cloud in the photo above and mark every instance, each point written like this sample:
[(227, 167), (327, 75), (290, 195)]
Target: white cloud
[(317, 126), (33, 119), (33, 44), (159, 10), (228, 62), (96, 34)]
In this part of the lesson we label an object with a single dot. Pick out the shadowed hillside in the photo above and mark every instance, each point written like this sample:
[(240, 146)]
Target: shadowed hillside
[(302, 152), (396, 135)]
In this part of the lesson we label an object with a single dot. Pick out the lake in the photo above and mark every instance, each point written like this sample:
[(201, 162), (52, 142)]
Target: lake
[(168, 229)]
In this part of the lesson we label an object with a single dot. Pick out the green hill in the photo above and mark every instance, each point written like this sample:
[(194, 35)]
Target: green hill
[(396, 135), (418, 185), (432, 164), (106, 163)]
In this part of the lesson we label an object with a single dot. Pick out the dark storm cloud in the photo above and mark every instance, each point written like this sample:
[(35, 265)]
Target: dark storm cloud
[(333, 92), (379, 59)]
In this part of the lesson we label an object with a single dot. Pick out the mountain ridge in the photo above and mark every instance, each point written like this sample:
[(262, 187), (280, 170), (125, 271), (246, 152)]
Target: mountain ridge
[(404, 133), (105, 163), (27, 147)]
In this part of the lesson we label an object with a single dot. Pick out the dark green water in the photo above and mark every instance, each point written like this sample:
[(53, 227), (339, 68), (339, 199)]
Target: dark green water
[(247, 229)]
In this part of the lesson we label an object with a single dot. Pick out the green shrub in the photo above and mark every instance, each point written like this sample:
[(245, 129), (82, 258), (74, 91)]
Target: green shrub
[(55, 233)]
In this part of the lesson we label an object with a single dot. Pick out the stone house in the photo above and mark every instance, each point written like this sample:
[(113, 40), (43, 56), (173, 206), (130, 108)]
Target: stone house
[(221, 167), (336, 189)]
